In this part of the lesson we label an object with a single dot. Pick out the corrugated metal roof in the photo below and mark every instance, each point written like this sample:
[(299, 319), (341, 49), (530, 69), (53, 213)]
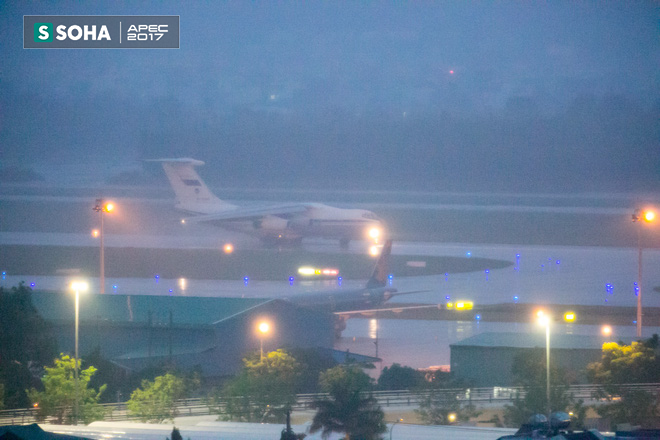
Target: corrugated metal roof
[(54, 306), (532, 340)]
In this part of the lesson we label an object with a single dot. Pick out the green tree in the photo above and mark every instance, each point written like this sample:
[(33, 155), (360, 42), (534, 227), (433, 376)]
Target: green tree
[(349, 407), (623, 364), (25, 345), (265, 389), (397, 377), (157, 401), (529, 372), (627, 364), (312, 362), (442, 406), (58, 397)]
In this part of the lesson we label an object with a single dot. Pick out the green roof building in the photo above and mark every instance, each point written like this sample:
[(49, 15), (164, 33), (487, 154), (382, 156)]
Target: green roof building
[(212, 334)]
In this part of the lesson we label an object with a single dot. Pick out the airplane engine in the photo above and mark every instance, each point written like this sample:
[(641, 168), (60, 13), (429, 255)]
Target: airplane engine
[(271, 223)]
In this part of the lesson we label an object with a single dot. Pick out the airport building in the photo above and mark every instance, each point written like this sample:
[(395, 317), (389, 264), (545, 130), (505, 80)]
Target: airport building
[(212, 334), (486, 359)]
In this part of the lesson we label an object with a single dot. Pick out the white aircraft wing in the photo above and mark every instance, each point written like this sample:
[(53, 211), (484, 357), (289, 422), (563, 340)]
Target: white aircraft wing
[(249, 213), (393, 309)]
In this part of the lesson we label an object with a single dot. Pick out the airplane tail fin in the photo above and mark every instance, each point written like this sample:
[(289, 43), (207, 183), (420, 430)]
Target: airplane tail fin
[(379, 276), (191, 192)]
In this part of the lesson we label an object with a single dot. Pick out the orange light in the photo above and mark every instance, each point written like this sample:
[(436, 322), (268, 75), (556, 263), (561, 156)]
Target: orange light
[(109, 207), (228, 248), (649, 216), (264, 327), (95, 233)]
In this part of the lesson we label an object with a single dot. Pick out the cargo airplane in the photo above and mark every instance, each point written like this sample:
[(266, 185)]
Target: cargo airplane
[(273, 224)]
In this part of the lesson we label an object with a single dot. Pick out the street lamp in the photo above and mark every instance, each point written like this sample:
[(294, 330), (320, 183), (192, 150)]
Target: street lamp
[(102, 207), (77, 286), (264, 329), (638, 216), (393, 425), (545, 320)]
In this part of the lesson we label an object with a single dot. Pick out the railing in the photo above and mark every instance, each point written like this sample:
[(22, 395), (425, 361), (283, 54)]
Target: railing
[(404, 398)]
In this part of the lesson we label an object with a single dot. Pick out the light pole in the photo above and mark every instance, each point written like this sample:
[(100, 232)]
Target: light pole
[(647, 216), (544, 319), (102, 207), (264, 329), (77, 286), (393, 425)]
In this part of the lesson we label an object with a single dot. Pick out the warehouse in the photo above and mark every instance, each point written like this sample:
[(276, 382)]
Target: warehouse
[(486, 359), (211, 334)]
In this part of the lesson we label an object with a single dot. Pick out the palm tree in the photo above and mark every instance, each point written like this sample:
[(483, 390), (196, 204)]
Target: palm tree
[(349, 408)]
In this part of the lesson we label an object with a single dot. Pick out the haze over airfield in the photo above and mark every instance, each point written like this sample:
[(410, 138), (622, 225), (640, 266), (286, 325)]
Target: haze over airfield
[(433, 96)]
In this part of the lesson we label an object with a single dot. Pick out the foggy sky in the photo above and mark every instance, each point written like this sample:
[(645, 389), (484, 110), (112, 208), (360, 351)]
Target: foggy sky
[(544, 96)]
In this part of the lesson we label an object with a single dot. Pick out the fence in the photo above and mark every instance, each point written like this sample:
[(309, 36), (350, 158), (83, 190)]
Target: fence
[(404, 398)]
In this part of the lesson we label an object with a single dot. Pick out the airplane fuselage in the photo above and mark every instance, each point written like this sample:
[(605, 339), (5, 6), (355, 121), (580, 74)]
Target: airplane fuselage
[(317, 220), (281, 222)]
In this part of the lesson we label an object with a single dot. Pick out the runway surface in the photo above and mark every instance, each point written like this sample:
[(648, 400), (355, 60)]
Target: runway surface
[(552, 252)]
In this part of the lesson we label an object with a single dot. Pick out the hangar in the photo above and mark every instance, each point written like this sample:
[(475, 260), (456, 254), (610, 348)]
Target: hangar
[(212, 334), (486, 359)]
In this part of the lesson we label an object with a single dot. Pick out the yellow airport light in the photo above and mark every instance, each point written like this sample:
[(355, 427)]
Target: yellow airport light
[(569, 316), (464, 305), (460, 305), (451, 417), (306, 270)]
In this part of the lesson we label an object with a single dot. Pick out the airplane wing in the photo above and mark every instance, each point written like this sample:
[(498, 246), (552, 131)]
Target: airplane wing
[(393, 294), (389, 309), (249, 213)]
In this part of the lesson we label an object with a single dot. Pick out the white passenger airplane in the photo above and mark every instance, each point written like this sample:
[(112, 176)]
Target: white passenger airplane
[(273, 224)]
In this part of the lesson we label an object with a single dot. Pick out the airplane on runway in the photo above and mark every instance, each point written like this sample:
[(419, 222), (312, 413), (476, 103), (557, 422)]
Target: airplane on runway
[(274, 224)]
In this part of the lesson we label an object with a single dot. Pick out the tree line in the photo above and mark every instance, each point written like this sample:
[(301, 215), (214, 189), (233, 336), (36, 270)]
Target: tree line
[(265, 388)]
